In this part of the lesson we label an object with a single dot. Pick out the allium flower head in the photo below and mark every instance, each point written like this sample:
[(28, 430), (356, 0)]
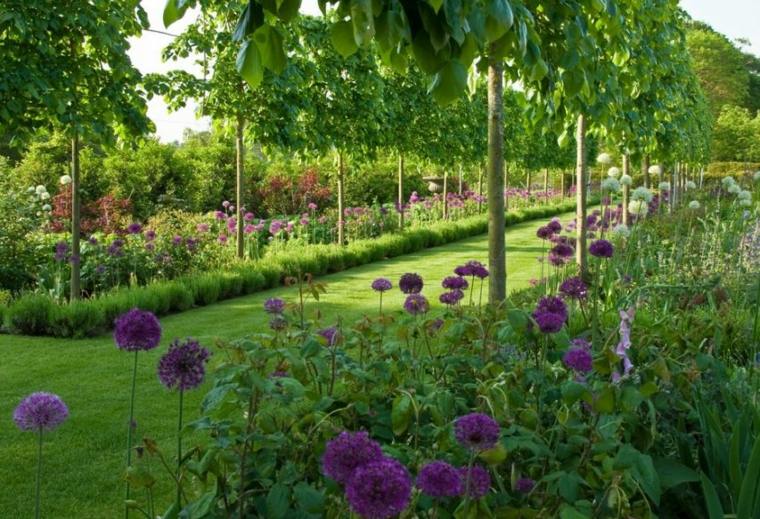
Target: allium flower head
[(544, 232), (555, 225), (347, 451), (638, 208), (61, 251), (611, 184), (379, 489), (694, 205), (65, 180), (479, 481), (452, 297), (134, 228), (416, 304), (524, 485), (601, 249), (40, 411), (643, 194), (137, 330), (40, 189), (621, 231), (410, 283), (574, 288), (626, 180), (440, 479), (454, 282), (690, 184), (553, 305), (184, 365), (330, 334), (664, 186), (476, 431), (563, 250), (726, 181), (655, 169), (381, 285), (744, 195), (274, 305), (578, 359), (478, 269), (613, 172), (734, 189), (604, 159)]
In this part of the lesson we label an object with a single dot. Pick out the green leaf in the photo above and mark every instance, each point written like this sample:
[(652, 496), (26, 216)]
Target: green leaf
[(278, 501), (251, 19), (139, 477), (568, 512), (672, 473), (605, 402), (714, 509), (269, 42), (288, 9), (401, 414), (499, 19), (449, 83), (249, 64), (435, 4), (748, 496), (518, 320), (425, 55), (362, 21), (309, 498), (174, 10), (342, 38), (573, 391), (568, 484)]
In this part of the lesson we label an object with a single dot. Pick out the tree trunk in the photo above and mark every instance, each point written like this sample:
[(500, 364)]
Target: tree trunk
[(546, 185), (528, 182), (341, 223), (76, 203), (645, 170), (240, 153), (400, 190), (563, 192), (506, 186), (445, 194), (480, 188), (626, 188), (461, 180), (580, 196), (497, 281)]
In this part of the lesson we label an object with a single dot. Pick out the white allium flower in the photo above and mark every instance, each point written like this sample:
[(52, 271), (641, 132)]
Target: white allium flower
[(756, 176), (638, 207), (31, 189), (664, 186), (611, 184), (44, 196), (728, 182), (655, 169), (40, 189), (613, 172), (643, 194), (694, 205), (626, 180), (65, 180), (745, 203), (621, 230), (46, 207), (744, 195), (604, 159), (690, 184), (734, 189)]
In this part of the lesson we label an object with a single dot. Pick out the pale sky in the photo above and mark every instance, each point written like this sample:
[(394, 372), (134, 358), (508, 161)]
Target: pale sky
[(734, 18)]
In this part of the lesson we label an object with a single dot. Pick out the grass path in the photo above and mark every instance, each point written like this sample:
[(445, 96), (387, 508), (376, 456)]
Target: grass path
[(85, 457)]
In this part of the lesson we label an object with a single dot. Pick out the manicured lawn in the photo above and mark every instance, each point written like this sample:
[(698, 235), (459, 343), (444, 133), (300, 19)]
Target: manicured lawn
[(84, 459)]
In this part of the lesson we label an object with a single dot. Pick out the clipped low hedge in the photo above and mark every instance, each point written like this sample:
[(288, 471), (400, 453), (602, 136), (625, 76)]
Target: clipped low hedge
[(38, 314)]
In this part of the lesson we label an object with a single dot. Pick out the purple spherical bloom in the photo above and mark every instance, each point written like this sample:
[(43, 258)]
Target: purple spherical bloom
[(478, 269), (379, 489), (479, 481), (61, 250), (274, 227), (312, 206), (410, 283), (274, 305), (92, 240), (381, 285), (574, 288), (331, 335), (177, 240), (184, 365), (555, 225), (553, 305), (248, 217), (248, 229), (100, 269), (463, 270), (40, 411), (202, 227), (226, 204), (416, 304), (137, 330), (524, 485), (150, 246), (414, 198), (476, 431), (601, 249), (563, 250), (578, 359), (191, 243), (544, 232), (439, 479), (455, 282), (150, 235), (580, 342), (231, 224), (555, 260), (452, 297), (222, 239), (134, 228), (219, 215), (347, 451), (548, 322)]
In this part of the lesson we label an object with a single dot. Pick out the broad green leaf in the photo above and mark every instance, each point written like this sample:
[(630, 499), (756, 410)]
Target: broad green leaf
[(449, 83), (309, 498), (714, 508), (249, 64), (278, 501), (342, 38), (174, 10), (425, 55), (288, 9), (673, 473), (499, 19), (363, 21), (748, 497), (605, 402), (269, 42), (401, 414)]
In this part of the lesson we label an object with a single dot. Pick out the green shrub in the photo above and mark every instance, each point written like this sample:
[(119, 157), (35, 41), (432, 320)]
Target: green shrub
[(31, 314), (206, 289), (83, 319)]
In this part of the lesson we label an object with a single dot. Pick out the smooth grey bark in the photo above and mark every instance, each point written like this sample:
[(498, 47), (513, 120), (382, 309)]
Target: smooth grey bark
[(497, 281), (76, 207), (626, 188), (239, 166), (445, 194), (645, 170), (341, 223), (580, 197), (400, 190)]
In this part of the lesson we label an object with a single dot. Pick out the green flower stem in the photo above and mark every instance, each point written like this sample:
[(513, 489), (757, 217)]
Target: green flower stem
[(129, 430), (179, 452), (39, 476)]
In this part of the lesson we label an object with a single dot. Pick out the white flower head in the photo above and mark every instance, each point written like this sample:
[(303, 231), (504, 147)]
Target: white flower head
[(46, 207), (638, 207), (694, 205), (604, 159), (613, 172), (621, 231), (611, 184), (691, 185), (31, 189), (745, 203), (65, 180), (40, 189), (728, 182), (643, 194), (734, 189), (626, 180), (664, 186), (655, 169), (44, 196), (744, 195)]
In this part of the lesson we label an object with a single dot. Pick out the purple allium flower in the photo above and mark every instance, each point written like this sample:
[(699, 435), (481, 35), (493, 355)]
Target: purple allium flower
[(463, 270), (150, 235), (184, 365), (40, 411), (100, 269), (601, 249), (580, 342), (231, 224), (410, 283), (524, 485), (248, 217), (552, 304), (578, 359), (455, 282), (274, 305), (452, 297), (92, 240), (226, 204), (439, 479), (219, 215), (574, 288), (222, 239), (150, 246), (544, 232), (555, 225), (548, 322), (134, 228), (312, 206), (191, 243), (61, 250), (347, 451), (331, 335), (202, 227), (248, 229), (278, 323), (563, 250), (414, 198), (177, 240), (274, 227), (379, 489), (479, 481), (556, 260), (416, 304), (478, 269), (381, 285), (476, 431), (137, 330)]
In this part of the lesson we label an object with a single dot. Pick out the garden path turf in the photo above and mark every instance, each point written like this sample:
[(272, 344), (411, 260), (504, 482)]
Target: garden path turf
[(84, 459)]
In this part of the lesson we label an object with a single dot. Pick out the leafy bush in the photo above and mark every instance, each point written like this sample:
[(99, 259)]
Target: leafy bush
[(31, 314)]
